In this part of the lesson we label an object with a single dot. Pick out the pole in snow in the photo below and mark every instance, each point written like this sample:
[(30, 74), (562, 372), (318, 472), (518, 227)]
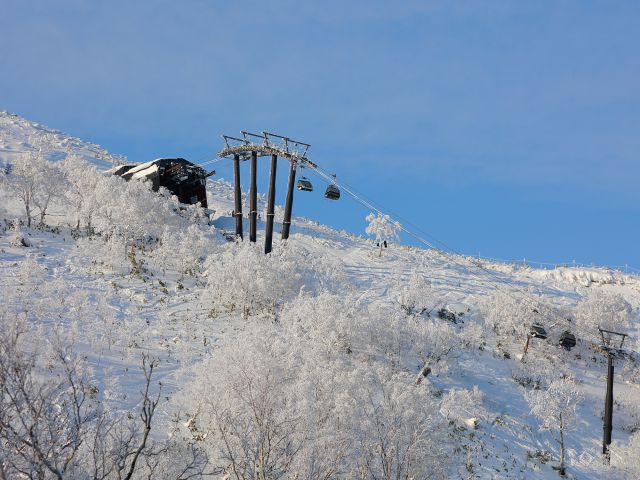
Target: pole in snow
[(271, 200), (608, 410), (611, 351), (237, 195), (288, 206), (253, 200)]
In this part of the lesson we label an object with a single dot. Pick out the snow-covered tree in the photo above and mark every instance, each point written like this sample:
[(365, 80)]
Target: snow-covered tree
[(415, 296), (270, 407), (555, 407), (464, 407), (607, 311), (241, 278), (382, 228), (81, 195), (625, 456), (512, 315), (51, 185), (21, 182), (184, 250)]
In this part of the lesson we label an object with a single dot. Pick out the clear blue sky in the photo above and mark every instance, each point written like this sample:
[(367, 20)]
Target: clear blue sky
[(506, 128)]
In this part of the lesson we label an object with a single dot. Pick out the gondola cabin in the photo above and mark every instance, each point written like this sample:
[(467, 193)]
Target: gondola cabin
[(567, 340), (332, 192), (181, 177), (538, 331), (305, 185)]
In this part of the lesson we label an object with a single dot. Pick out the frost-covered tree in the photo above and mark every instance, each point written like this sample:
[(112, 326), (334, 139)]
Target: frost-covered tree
[(241, 278), (624, 456), (512, 315), (82, 179), (132, 212), (35, 182), (382, 228), (464, 407), (21, 182), (607, 311), (272, 407), (51, 184), (555, 407), (397, 430), (185, 250), (415, 296), (54, 420)]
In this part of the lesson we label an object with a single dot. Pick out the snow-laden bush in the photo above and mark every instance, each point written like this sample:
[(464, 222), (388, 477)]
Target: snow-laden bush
[(185, 250), (35, 183), (463, 407), (625, 456), (537, 372), (82, 179), (628, 412), (335, 325), (55, 420), (267, 407), (240, 277), (556, 409), (415, 297), (607, 311), (510, 314)]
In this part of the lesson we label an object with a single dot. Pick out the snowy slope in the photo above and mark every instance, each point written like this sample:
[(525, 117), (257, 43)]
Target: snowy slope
[(18, 135), (162, 311)]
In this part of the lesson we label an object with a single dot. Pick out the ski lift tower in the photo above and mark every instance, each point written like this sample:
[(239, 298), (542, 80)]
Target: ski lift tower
[(250, 147), (611, 347)]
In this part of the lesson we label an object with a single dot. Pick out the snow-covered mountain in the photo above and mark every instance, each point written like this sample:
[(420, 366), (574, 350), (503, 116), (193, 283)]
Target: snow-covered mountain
[(19, 135), (308, 362)]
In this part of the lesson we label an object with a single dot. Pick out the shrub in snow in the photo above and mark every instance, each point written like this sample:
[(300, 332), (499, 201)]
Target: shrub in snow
[(625, 456), (463, 407), (536, 372), (35, 182), (185, 250), (18, 239), (555, 407), (337, 325), (247, 412), (268, 408), (628, 410), (511, 314), (242, 278), (81, 196), (398, 433), (415, 296), (607, 311), (508, 315)]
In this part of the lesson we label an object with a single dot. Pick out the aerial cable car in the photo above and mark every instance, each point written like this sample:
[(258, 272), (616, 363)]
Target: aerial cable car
[(332, 192), (538, 331), (567, 340), (304, 184)]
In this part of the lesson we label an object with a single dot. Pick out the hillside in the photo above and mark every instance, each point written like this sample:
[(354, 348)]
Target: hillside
[(300, 364), (19, 135)]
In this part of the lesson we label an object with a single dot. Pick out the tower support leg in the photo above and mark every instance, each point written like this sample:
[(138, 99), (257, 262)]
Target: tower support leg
[(288, 205), (237, 212), (253, 198), (608, 410), (271, 201)]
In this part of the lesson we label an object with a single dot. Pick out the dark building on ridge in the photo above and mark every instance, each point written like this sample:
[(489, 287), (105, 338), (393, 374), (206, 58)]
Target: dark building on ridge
[(181, 177)]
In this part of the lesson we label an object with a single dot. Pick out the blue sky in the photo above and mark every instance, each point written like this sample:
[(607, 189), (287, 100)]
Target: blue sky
[(506, 128)]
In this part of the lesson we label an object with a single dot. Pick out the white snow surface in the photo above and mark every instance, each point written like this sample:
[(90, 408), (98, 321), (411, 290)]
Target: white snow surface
[(169, 314), (18, 135)]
